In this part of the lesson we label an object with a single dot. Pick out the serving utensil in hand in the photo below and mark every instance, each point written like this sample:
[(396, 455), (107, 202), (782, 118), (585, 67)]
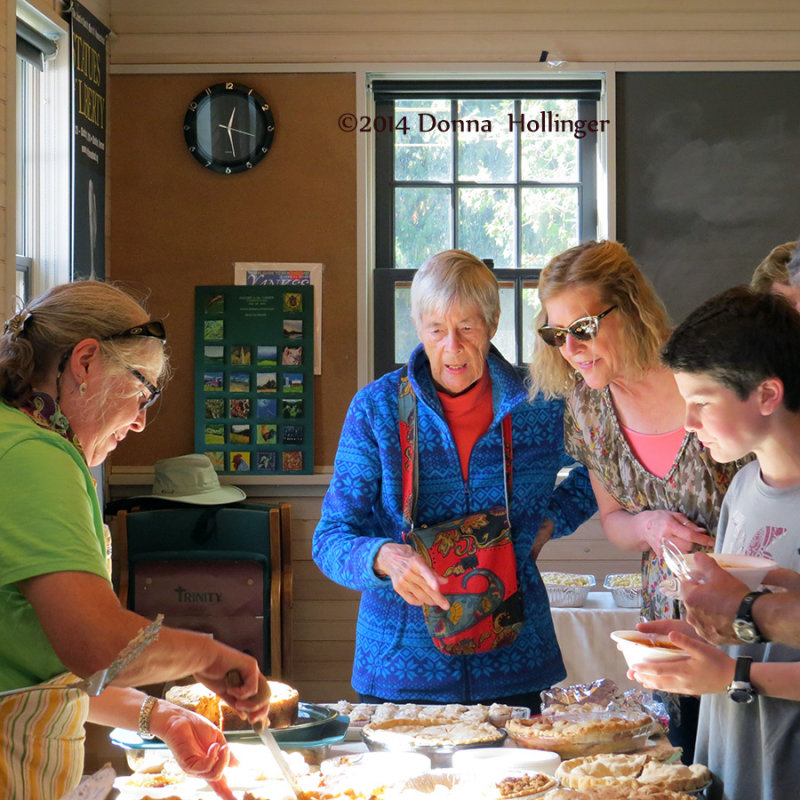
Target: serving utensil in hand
[(98, 681), (674, 559), (233, 678)]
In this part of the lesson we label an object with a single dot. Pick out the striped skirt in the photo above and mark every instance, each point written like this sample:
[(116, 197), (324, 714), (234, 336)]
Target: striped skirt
[(42, 740)]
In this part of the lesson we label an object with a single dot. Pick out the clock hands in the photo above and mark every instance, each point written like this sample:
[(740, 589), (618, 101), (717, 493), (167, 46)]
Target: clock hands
[(231, 130)]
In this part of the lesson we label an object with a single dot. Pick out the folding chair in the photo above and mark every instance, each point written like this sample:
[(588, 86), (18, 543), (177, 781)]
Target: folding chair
[(211, 569)]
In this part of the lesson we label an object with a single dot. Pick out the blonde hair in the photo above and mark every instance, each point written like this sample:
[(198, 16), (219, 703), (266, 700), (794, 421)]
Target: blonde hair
[(43, 333), (607, 267), (773, 269), (455, 277)]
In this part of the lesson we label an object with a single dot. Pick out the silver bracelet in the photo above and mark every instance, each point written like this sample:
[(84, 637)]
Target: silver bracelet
[(144, 717)]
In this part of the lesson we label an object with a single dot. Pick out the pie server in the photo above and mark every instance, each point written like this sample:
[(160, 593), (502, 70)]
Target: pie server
[(233, 678)]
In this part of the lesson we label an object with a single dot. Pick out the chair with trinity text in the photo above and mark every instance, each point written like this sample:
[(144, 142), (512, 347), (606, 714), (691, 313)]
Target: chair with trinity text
[(216, 570)]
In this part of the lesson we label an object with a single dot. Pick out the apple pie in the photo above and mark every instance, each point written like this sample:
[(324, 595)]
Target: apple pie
[(403, 733), (630, 771)]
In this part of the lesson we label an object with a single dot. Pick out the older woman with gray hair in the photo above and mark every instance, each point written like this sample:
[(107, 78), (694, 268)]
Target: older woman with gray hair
[(469, 402)]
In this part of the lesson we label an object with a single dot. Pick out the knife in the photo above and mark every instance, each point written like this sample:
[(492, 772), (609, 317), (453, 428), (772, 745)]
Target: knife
[(233, 678)]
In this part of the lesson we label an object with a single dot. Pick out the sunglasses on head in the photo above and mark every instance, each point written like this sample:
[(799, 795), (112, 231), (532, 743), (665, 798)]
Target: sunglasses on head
[(155, 392), (153, 329), (583, 329)]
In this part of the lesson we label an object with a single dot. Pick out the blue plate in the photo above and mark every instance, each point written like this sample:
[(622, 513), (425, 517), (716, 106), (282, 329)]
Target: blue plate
[(314, 729)]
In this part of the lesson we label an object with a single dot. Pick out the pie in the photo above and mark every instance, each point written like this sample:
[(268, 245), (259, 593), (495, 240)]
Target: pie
[(618, 793), (577, 735), (524, 786), (406, 733), (630, 772)]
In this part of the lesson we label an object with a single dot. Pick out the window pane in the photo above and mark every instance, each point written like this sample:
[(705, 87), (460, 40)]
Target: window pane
[(405, 334), (486, 156), (421, 154), (422, 225), (487, 224), (505, 340), (549, 224), (548, 156), (530, 311)]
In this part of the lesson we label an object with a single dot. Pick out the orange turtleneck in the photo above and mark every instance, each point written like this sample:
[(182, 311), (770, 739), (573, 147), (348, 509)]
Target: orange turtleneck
[(469, 416)]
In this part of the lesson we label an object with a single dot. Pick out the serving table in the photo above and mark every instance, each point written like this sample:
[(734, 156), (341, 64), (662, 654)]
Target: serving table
[(584, 635)]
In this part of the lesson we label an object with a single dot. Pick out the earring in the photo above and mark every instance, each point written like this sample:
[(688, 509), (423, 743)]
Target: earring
[(82, 388)]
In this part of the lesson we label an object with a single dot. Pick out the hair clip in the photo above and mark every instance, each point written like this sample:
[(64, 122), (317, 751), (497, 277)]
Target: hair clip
[(16, 325)]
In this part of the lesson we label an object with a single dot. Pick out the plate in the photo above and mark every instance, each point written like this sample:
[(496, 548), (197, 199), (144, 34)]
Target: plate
[(317, 726), (310, 720)]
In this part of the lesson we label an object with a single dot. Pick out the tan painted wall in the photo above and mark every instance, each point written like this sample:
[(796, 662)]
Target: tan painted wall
[(175, 225)]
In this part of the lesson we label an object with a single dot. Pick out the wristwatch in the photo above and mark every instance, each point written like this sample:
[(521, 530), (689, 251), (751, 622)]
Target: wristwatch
[(744, 625), (741, 690)]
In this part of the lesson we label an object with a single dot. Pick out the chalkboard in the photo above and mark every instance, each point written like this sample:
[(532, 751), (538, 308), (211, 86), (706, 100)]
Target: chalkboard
[(708, 176)]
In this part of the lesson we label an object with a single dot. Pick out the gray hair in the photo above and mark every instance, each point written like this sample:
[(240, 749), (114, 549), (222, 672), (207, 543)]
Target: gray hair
[(455, 277), (38, 337)]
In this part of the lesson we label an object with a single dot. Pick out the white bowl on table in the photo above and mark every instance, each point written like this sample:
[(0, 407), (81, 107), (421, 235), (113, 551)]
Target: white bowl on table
[(750, 570), (507, 758), (638, 647)]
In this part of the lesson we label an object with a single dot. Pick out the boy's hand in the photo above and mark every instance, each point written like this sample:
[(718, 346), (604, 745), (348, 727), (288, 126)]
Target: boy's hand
[(707, 670), (712, 600)]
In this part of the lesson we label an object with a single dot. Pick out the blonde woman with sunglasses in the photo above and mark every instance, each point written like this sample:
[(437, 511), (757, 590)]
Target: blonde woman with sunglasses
[(600, 332), (79, 368)]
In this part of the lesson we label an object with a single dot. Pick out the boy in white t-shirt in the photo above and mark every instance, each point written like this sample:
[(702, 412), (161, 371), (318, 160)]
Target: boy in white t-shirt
[(737, 364)]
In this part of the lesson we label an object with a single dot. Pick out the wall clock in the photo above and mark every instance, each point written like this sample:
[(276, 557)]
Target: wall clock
[(228, 127)]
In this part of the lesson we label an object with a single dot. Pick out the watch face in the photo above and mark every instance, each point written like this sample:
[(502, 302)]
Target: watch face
[(228, 128), (741, 694), (746, 631)]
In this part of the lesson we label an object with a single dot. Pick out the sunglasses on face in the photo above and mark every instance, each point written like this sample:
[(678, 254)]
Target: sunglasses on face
[(584, 330), (153, 329), (155, 392)]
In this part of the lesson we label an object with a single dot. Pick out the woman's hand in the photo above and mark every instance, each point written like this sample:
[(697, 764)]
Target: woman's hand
[(197, 745), (655, 526), (707, 670), (411, 577)]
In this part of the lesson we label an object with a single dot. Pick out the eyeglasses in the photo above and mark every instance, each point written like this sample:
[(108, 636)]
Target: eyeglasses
[(154, 328), (155, 393), (583, 329)]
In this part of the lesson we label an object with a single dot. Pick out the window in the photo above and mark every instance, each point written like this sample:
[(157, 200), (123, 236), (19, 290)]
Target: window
[(506, 170), (42, 155)]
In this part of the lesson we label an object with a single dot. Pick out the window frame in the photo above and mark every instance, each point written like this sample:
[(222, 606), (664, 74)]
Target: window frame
[(43, 156), (590, 94)]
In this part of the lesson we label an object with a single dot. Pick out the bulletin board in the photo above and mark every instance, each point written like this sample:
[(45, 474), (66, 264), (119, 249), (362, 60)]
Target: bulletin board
[(254, 378)]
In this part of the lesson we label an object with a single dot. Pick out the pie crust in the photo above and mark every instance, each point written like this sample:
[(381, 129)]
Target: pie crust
[(618, 793), (631, 771), (403, 733), (579, 735)]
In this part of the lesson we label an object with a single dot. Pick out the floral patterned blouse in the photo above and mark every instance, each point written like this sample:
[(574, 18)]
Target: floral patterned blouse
[(694, 485)]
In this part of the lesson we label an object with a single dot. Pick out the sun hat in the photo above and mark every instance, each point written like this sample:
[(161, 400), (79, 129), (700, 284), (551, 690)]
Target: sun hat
[(192, 479)]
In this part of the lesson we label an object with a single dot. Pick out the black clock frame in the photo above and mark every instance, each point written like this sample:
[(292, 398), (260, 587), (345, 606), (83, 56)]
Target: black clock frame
[(207, 143)]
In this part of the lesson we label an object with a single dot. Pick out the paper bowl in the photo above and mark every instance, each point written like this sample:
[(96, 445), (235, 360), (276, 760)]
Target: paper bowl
[(384, 766), (750, 570), (505, 758), (638, 647)]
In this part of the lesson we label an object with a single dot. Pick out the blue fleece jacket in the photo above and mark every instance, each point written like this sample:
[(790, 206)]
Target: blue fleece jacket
[(395, 658)]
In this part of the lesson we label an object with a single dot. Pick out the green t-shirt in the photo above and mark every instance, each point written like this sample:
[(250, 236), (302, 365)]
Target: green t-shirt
[(50, 521)]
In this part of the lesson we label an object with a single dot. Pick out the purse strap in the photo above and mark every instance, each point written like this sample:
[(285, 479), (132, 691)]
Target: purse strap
[(407, 419)]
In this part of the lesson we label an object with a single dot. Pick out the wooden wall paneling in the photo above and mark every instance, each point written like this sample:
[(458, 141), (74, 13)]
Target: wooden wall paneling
[(313, 31)]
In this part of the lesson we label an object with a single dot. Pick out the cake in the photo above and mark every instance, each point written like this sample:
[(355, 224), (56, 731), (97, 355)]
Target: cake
[(283, 705)]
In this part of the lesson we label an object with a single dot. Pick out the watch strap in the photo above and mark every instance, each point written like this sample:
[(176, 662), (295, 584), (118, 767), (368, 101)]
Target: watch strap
[(741, 673), (745, 612), (144, 717)]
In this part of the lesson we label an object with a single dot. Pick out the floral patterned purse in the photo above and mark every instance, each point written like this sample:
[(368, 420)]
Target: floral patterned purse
[(474, 552)]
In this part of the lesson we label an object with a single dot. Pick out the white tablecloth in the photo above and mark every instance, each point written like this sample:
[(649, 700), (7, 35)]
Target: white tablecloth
[(586, 645)]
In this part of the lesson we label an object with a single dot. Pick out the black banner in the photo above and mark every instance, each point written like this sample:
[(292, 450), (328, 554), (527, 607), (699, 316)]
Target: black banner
[(89, 147)]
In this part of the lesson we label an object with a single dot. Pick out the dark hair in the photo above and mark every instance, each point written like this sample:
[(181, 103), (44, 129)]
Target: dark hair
[(740, 338)]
